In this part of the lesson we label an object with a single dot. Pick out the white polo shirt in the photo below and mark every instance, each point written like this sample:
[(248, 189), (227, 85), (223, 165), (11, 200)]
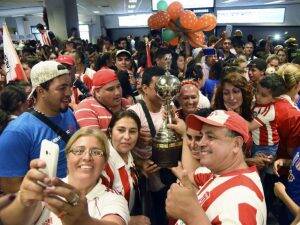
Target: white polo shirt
[(119, 176), (101, 201)]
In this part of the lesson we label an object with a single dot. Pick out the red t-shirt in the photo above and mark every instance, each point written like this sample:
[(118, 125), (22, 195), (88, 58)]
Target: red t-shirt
[(288, 121)]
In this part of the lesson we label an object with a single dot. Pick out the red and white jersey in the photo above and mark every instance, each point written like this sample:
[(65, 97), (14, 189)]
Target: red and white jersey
[(265, 116), (45, 39), (202, 175), (121, 176), (90, 113), (87, 77), (234, 198), (101, 202)]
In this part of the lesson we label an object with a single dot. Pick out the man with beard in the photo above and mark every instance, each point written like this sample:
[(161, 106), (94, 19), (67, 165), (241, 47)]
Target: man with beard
[(106, 99), (21, 140)]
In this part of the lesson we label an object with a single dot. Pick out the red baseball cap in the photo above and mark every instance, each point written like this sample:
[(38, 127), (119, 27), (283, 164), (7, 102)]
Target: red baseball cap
[(221, 118), (66, 59), (103, 77)]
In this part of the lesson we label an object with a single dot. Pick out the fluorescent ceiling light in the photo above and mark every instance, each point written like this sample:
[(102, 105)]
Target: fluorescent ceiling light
[(131, 6), (132, 1), (277, 37), (251, 16), (229, 1), (96, 11), (135, 20), (274, 2)]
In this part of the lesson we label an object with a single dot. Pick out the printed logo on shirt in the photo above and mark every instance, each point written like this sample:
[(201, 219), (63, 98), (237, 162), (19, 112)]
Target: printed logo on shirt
[(48, 221), (291, 177), (204, 197), (56, 140)]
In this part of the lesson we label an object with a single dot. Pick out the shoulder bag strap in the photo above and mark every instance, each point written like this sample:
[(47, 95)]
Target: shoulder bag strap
[(52, 125), (148, 117)]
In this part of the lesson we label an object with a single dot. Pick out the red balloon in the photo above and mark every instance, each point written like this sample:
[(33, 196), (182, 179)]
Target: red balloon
[(159, 20), (174, 10), (188, 19), (196, 39), (174, 42)]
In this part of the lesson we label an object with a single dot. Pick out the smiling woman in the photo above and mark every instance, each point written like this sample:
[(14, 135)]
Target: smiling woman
[(80, 198), (234, 94), (120, 171)]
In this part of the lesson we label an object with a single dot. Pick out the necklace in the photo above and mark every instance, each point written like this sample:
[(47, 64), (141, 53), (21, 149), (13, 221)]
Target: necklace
[(38, 111)]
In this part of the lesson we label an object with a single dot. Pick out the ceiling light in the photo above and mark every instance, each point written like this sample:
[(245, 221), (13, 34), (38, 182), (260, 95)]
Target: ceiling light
[(229, 1), (131, 6), (96, 11), (132, 1), (277, 37), (274, 2)]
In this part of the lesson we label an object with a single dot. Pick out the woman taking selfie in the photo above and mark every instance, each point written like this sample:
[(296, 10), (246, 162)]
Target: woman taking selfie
[(120, 171), (80, 198)]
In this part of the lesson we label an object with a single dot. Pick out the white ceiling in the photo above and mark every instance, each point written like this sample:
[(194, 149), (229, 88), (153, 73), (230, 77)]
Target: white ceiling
[(105, 7)]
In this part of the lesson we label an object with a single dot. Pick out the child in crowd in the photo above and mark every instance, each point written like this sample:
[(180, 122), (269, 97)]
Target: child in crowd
[(263, 127)]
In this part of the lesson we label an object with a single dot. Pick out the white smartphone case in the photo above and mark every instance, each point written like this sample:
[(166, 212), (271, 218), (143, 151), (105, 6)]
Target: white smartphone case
[(49, 153)]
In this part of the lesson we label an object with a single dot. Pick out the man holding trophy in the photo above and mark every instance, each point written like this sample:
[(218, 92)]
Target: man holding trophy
[(157, 143)]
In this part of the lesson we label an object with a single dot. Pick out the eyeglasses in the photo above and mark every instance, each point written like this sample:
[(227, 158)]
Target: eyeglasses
[(80, 150)]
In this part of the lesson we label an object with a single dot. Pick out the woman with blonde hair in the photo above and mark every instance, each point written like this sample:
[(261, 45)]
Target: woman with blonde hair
[(80, 198), (291, 76)]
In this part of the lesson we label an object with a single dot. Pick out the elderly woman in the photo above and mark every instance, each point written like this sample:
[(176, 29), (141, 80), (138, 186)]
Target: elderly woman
[(188, 99), (80, 198), (120, 170)]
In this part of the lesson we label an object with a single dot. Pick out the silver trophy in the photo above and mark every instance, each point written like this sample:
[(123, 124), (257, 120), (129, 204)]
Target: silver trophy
[(167, 144)]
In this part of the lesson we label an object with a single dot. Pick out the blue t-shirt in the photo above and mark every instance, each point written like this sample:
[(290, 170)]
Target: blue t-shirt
[(21, 140), (293, 182)]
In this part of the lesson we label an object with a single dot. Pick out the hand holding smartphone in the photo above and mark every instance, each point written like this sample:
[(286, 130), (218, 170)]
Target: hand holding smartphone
[(49, 154)]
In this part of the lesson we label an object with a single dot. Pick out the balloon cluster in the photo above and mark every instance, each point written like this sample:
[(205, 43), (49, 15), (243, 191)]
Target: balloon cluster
[(179, 23)]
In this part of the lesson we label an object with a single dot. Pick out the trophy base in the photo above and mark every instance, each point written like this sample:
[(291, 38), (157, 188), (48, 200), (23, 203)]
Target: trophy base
[(167, 155)]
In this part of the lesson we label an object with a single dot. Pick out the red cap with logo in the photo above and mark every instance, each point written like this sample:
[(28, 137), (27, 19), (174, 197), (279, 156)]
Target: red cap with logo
[(103, 77), (66, 59), (221, 118)]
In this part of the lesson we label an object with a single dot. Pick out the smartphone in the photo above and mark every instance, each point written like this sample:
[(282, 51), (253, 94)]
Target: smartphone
[(49, 153), (228, 31)]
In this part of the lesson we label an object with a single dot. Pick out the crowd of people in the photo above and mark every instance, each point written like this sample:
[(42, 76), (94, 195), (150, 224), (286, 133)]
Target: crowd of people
[(237, 112)]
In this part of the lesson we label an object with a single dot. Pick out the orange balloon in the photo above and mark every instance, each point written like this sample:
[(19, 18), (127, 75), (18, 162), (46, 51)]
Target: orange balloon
[(206, 22), (188, 19), (196, 39), (159, 20), (174, 10), (200, 24), (211, 21), (174, 42)]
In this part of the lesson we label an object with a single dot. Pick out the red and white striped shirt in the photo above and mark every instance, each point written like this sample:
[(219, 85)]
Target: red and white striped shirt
[(90, 113), (45, 38), (234, 198), (121, 176), (267, 134)]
